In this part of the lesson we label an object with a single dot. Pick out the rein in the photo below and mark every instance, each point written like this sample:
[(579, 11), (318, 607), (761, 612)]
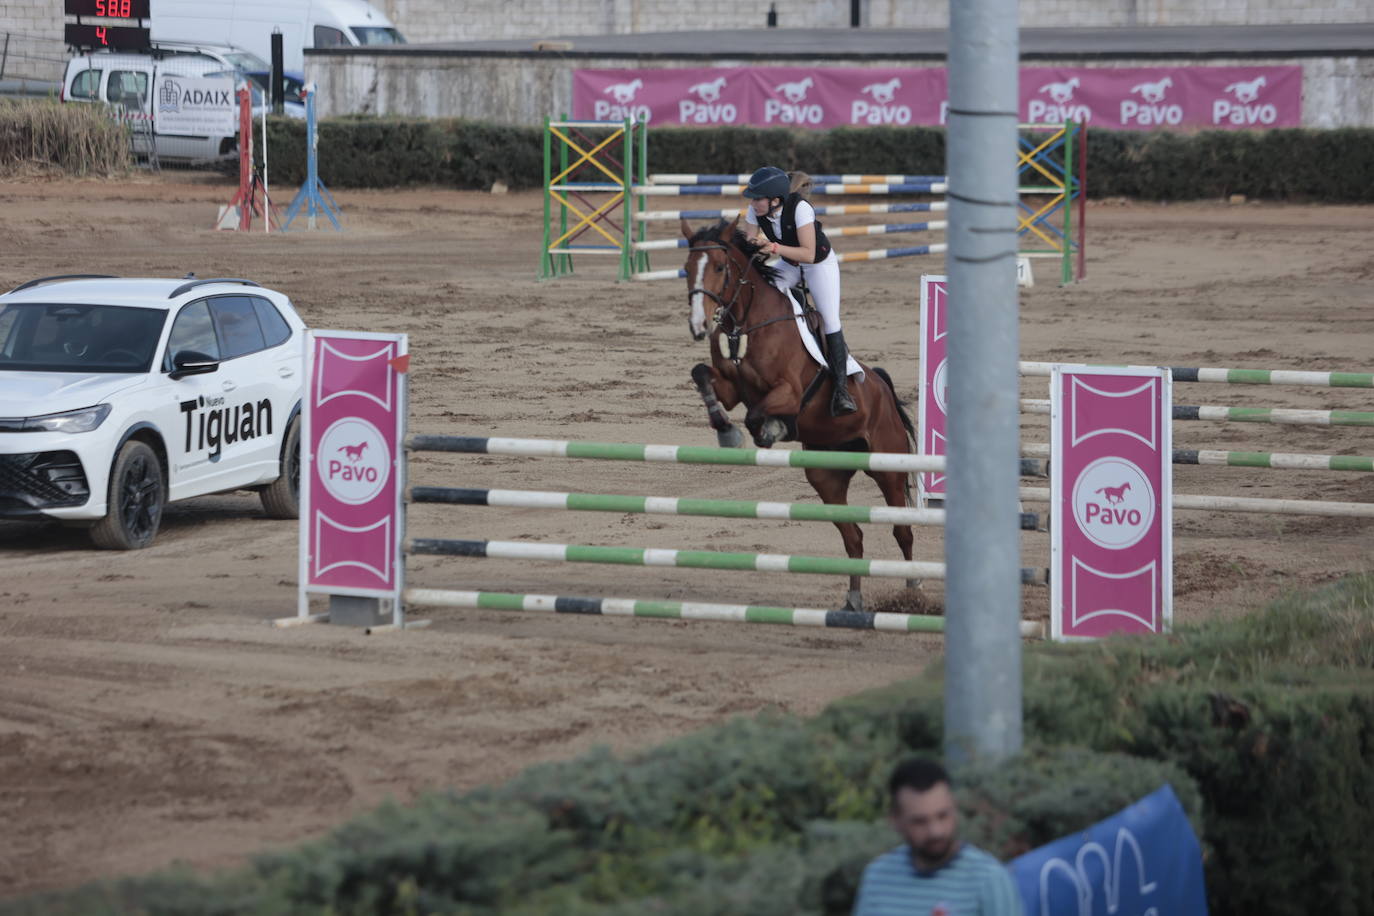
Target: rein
[(738, 327)]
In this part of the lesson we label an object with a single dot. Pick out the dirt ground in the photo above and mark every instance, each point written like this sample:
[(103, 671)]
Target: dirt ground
[(149, 714)]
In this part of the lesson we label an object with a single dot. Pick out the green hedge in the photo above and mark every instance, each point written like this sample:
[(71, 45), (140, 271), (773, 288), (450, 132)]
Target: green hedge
[(761, 817), (1264, 726), (1329, 166)]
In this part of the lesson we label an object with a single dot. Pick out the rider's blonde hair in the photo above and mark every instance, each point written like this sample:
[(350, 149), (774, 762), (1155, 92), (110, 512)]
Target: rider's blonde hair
[(801, 184)]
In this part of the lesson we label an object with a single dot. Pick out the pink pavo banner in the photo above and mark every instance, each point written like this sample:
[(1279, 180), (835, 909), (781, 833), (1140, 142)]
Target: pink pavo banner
[(1135, 98)]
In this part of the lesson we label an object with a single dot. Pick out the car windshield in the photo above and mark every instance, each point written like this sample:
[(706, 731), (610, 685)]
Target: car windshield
[(291, 87), (376, 35), (49, 337)]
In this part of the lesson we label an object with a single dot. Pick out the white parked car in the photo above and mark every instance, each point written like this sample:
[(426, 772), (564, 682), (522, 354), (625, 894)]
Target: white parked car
[(120, 395)]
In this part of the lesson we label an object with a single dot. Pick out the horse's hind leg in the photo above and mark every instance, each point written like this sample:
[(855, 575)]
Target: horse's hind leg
[(832, 486), (896, 492), (708, 381)]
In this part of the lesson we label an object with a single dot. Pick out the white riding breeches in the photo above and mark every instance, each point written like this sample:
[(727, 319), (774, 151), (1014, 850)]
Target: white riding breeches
[(822, 279)]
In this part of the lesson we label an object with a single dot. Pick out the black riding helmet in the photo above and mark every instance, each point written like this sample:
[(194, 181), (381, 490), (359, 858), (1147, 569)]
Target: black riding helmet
[(768, 182)]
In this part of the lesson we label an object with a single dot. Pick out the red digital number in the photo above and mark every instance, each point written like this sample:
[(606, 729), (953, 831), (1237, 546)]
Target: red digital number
[(100, 33), (116, 8), (124, 8), (100, 7)]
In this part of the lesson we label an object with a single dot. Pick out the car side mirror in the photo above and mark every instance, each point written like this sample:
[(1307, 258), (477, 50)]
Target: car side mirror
[(191, 362)]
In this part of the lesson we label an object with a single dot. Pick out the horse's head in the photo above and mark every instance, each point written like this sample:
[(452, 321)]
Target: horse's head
[(718, 266)]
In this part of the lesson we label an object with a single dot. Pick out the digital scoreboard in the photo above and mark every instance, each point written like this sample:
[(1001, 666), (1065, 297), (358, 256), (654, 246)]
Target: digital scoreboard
[(112, 9), (126, 35), (115, 37)]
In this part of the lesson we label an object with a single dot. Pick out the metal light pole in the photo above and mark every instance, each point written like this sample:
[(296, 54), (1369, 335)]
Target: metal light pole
[(982, 543)]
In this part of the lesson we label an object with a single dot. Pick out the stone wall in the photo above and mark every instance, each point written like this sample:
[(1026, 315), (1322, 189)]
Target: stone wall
[(34, 27), (434, 20), (1337, 92)]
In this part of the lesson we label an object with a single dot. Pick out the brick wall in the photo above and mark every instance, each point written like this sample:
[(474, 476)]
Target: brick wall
[(34, 32)]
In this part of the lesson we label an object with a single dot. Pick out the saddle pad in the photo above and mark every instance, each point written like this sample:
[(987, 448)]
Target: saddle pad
[(851, 368)]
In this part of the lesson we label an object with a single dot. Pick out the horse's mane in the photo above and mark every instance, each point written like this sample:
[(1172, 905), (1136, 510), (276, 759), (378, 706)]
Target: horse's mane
[(739, 241)]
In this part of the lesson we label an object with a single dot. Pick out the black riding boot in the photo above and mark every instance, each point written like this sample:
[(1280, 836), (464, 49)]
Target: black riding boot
[(837, 354)]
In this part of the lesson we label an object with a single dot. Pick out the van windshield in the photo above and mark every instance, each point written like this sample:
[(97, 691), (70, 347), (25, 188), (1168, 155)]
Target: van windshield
[(376, 35), (245, 60)]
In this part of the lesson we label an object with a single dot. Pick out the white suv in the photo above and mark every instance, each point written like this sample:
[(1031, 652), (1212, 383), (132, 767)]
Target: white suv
[(119, 395)]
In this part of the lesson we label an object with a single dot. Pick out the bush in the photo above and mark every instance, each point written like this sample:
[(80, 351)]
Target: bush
[(48, 136), (394, 152), (1263, 726), (1328, 166)]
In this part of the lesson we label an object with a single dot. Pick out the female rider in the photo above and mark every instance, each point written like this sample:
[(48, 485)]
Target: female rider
[(786, 226)]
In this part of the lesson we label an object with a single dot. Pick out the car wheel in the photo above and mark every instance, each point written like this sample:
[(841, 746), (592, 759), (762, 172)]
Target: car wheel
[(137, 495), (282, 497)]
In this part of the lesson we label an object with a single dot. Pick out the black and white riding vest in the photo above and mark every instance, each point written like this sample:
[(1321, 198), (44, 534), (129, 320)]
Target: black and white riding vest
[(787, 221)]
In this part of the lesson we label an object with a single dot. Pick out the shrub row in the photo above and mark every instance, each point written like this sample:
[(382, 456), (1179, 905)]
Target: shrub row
[(1332, 166), (1264, 727), (44, 135)]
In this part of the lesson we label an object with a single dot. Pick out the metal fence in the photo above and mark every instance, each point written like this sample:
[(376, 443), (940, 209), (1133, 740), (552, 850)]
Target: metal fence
[(31, 64)]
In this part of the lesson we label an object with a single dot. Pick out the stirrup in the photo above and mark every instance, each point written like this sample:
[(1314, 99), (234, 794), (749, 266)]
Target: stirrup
[(841, 401)]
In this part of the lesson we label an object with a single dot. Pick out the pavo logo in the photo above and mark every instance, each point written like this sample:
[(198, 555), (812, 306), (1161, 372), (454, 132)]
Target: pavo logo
[(1114, 503), (352, 461)]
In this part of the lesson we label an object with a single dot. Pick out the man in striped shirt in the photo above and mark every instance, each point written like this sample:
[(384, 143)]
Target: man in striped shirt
[(933, 873)]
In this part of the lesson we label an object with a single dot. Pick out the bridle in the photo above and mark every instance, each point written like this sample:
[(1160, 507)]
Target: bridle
[(737, 326)]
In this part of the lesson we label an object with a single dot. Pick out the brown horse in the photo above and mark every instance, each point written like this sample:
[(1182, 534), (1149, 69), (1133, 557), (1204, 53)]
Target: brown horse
[(767, 368)]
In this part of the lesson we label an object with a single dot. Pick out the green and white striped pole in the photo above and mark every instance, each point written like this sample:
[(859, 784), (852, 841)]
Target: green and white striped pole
[(1279, 461), (691, 610), (1281, 416), (691, 559), (1244, 376), (673, 505)]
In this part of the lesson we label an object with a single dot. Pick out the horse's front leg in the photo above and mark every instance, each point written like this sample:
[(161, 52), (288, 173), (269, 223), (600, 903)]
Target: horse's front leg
[(720, 396), (774, 418)]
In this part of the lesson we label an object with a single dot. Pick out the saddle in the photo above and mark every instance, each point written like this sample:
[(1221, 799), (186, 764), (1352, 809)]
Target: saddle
[(811, 317)]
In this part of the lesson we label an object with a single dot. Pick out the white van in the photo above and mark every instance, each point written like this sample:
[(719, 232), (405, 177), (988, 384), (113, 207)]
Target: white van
[(126, 82), (249, 24)]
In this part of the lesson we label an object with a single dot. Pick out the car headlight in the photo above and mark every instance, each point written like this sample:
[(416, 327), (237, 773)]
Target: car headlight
[(71, 421)]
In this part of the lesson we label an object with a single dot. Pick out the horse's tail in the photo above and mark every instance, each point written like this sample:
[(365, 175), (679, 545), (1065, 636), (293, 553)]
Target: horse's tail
[(898, 403), (906, 423)]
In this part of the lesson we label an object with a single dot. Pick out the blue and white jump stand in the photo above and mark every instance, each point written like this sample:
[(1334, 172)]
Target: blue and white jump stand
[(313, 194)]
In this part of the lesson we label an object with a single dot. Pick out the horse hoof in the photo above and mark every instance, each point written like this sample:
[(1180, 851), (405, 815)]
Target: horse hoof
[(854, 601), (730, 438), (772, 430)]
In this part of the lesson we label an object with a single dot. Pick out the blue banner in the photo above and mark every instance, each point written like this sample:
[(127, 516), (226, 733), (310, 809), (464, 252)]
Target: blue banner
[(1142, 861)]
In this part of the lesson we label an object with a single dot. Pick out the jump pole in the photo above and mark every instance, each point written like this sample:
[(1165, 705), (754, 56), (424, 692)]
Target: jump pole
[(672, 505), (1218, 376), (1281, 416), (313, 194), (689, 559), (692, 610)]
